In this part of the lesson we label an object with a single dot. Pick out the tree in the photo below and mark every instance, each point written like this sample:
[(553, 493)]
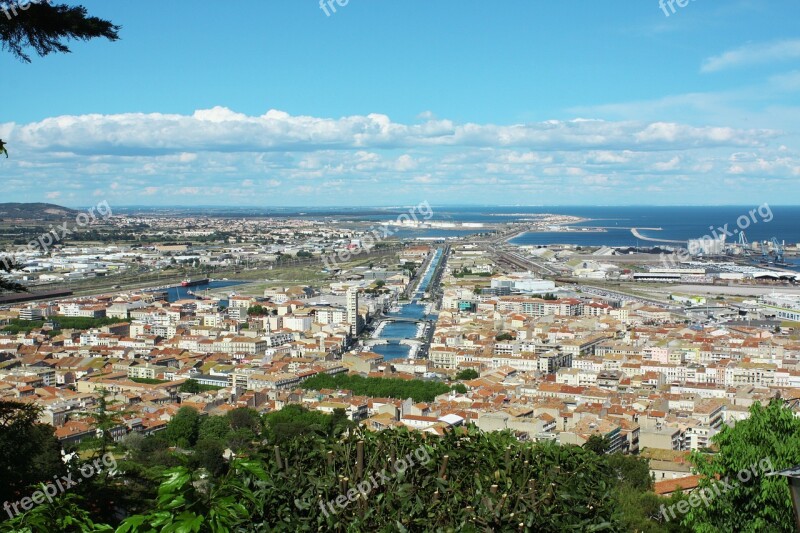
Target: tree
[(133, 442), (244, 418), (417, 390), (184, 427), (749, 500), (241, 440), (29, 451), (64, 513), (7, 265), (214, 428), (467, 374), (44, 28), (208, 455), (460, 388), (295, 420), (190, 385), (104, 421), (631, 470), (257, 310), (597, 444)]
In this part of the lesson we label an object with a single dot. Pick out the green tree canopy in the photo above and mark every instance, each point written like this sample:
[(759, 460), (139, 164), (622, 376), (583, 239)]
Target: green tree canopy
[(208, 455), (214, 428), (184, 427), (295, 420), (244, 418), (418, 390), (467, 374), (460, 388), (190, 385), (29, 451), (749, 500), (597, 444)]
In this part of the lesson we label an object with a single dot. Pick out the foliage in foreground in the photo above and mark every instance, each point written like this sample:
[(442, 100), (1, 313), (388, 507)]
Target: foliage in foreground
[(292, 466), (755, 503), (465, 481)]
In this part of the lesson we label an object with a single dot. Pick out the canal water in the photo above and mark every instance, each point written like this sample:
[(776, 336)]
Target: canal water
[(406, 330), (180, 293)]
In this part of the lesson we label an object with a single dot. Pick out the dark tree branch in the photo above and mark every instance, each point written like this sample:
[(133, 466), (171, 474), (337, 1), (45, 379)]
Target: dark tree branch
[(7, 264), (44, 28)]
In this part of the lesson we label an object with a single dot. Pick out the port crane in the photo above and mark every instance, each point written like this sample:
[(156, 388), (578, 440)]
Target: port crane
[(779, 250), (764, 251), (744, 245)]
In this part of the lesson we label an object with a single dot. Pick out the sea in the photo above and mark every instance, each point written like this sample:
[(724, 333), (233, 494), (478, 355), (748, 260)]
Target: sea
[(177, 292), (679, 223), (759, 222)]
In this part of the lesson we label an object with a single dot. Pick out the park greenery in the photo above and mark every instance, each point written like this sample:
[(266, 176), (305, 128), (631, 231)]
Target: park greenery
[(60, 323), (417, 390), (247, 471)]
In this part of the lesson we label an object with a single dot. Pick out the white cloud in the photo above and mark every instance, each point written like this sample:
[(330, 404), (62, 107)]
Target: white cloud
[(663, 166), (754, 54), (225, 157), (405, 162), (224, 131)]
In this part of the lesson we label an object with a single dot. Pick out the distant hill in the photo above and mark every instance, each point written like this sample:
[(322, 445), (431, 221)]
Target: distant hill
[(35, 211)]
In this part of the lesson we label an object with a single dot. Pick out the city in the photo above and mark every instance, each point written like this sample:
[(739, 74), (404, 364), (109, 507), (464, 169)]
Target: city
[(566, 299)]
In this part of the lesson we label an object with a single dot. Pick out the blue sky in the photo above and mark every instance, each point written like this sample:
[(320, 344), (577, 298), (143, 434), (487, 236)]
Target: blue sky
[(385, 102)]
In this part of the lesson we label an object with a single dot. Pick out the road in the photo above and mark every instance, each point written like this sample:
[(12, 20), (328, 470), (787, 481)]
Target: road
[(616, 295), (151, 278)]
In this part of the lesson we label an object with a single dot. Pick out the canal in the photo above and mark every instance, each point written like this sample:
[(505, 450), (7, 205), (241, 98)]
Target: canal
[(415, 310)]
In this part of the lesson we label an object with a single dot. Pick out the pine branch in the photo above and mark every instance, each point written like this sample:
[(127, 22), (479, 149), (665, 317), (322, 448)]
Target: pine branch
[(7, 264), (44, 27)]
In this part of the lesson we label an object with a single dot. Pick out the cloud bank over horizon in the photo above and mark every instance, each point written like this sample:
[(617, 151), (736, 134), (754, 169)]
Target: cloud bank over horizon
[(219, 156)]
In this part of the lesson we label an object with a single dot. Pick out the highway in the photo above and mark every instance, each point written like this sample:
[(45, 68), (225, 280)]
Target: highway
[(615, 295)]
